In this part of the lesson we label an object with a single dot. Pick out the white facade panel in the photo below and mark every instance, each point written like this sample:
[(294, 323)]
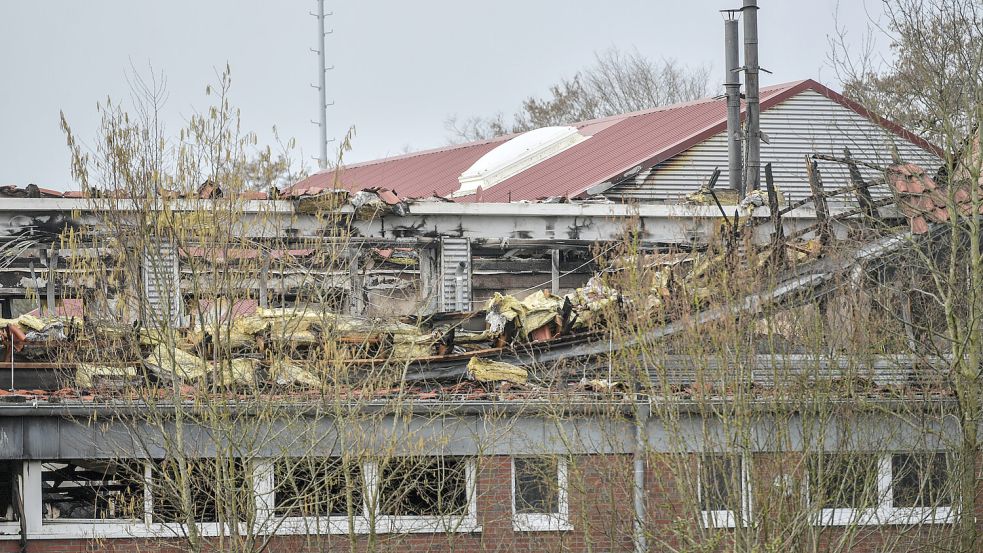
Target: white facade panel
[(805, 124)]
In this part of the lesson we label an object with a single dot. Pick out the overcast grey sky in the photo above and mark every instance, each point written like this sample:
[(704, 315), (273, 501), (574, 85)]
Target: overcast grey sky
[(401, 66)]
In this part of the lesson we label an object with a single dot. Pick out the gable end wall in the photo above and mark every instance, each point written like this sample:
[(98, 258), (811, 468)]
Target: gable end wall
[(804, 124)]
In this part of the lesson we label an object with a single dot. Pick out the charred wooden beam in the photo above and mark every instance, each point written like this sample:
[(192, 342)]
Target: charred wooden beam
[(819, 199), (513, 265), (857, 180), (841, 216), (716, 200), (499, 282), (848, 160), (555, 271), (773, 207), (778, 236)]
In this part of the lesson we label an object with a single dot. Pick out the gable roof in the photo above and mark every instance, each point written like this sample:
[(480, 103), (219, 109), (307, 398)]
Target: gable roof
[(619, 147)]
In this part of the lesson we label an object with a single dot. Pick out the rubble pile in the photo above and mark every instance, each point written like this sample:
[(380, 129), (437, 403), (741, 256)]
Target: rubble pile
[(294, 346)]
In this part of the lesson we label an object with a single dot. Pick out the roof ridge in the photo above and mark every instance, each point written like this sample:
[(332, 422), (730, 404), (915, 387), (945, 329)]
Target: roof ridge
[(688, 103)]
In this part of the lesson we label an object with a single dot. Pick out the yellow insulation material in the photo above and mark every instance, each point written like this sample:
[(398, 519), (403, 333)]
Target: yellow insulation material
[(539, 309), (285, 373), (86, 375), (407, 346), (31, 322), (238, 372), (486, 370), (170, 360), (534, 312)]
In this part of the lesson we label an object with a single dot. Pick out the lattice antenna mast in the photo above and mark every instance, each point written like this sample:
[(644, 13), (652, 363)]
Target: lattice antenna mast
[(322, 103)]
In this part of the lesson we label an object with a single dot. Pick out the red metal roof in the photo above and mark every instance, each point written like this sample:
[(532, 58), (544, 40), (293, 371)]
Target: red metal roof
[(618, 147), (415, 175)]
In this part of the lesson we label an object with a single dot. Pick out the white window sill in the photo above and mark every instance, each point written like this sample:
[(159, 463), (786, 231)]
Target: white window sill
[(287, 526), (425, 524), (313, 525), (920, 515), (383, 525), (720, 519), (877, 517), (540, 523), (106, 529)]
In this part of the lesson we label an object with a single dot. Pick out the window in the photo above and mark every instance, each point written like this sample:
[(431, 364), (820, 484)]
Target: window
[(423, 486), (218, 488), (142, 498), (843, 481), (8, 493), (539, 498), (920, 480), (92, 490), (723, 491), (333, 495), (317, 487), (899, 488)]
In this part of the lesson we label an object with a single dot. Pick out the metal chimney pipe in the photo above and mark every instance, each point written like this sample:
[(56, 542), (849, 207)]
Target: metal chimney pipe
[(732, 87), (752, 179)]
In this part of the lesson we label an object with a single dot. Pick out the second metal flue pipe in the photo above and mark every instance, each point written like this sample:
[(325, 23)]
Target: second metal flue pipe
[(732, 87), (752, 178)]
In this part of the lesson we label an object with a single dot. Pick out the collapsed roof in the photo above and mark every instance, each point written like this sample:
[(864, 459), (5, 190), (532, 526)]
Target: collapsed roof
[(262, 345)]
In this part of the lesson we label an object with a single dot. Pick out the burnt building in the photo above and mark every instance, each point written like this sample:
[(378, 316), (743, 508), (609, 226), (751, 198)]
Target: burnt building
[(491, 346)]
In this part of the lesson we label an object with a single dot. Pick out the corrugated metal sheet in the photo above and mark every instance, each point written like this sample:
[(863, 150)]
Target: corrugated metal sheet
[(806, 123), (455, 274), (161, 285)]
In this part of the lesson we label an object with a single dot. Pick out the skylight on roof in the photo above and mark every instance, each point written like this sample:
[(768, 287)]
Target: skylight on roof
[(515, 156)]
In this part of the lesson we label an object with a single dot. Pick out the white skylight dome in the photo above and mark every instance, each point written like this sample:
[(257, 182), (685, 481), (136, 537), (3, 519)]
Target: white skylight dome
[(515, 156)]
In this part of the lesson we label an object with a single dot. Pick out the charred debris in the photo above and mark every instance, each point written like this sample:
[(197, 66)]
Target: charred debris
[(511, 337)]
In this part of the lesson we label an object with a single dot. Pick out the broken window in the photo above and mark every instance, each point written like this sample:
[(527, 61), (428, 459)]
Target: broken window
[(721, 482), (843, 481), (92, 490), (539, 494), (216, 490), (309, 487), (537, 485), (423, 486), (920, 480), (8, 494)]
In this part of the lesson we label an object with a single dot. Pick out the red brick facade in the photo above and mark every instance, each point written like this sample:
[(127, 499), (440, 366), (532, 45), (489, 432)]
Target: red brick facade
[(600, 512)]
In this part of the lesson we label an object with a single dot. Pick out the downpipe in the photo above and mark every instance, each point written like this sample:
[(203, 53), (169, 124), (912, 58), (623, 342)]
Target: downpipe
[(638, 495)]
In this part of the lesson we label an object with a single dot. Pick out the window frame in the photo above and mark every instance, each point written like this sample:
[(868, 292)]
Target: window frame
[(363, 523), (725, 518), (464, 522), (543, 522), (919, 515), (208, 529), (39, 528), (884, 512), (301, 525), (262, 474), (12, 527), (131, 521)]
